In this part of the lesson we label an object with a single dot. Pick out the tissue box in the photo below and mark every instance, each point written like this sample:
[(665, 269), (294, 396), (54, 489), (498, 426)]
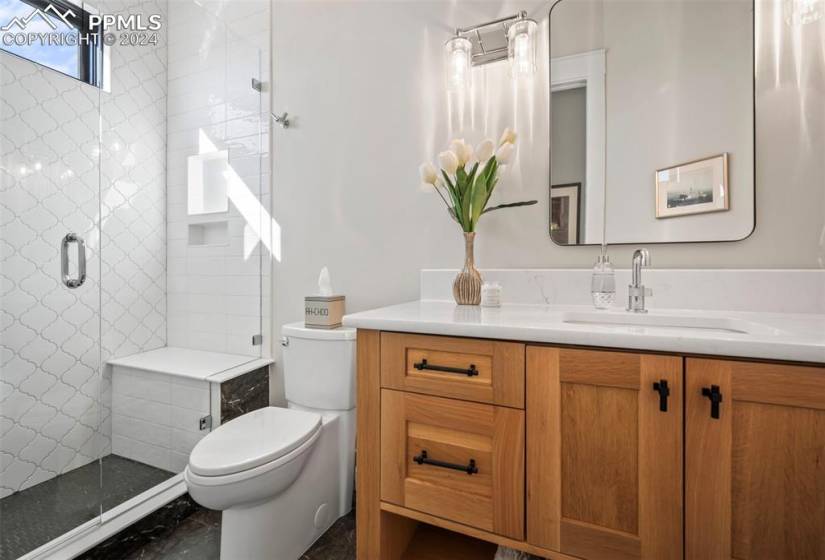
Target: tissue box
[(323, 312)]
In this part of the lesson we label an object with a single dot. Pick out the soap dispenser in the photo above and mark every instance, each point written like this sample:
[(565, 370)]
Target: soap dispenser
[(603, 283)]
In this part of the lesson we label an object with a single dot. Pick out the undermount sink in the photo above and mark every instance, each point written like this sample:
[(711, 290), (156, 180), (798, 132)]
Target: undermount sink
[(664, 320)]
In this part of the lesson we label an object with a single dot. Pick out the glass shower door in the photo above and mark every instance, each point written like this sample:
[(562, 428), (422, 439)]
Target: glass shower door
[(181, 237), (50, 438)]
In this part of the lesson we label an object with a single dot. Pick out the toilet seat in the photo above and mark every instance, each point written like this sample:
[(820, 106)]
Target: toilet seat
[(255, 441)]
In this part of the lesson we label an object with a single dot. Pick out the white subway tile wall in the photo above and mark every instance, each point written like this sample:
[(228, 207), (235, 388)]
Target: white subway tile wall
[(156, 416), (215, 289)]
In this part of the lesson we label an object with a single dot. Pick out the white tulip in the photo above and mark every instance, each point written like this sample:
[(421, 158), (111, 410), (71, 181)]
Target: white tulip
[(461, 151), (428, 173), (469, 154), (485, 151), (504, 153), (508, 137), (448, 162)]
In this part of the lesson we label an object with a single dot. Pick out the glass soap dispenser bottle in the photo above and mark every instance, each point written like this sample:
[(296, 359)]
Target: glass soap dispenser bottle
[(603, 283)]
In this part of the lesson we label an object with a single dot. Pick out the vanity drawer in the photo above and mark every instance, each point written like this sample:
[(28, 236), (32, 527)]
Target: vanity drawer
[(454, 459), (486, 371)]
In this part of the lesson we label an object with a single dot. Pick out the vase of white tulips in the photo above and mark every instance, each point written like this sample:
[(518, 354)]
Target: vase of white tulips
[(465, 182)]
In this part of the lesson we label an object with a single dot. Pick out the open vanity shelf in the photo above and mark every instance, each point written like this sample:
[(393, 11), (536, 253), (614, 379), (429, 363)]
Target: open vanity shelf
[(569, 452), (428, 542)]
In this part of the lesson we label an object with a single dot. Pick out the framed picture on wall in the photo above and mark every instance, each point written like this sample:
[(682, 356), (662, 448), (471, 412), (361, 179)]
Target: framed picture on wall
[(695, 187), (564, 213)]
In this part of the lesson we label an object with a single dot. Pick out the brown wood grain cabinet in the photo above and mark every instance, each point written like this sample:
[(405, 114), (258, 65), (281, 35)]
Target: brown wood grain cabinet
[(488, 371), (584, 453), (755, 466), (604, 453), (427, 441)]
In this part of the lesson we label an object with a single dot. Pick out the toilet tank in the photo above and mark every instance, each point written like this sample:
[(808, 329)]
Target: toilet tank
[(319, 366)]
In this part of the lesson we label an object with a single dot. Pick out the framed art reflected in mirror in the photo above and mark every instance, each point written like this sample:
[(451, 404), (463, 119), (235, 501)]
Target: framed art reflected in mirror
[(564, 213), (695, 187)]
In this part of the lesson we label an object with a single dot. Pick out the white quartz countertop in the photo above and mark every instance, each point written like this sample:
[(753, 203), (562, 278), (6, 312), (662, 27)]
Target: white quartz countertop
[(773, 336)]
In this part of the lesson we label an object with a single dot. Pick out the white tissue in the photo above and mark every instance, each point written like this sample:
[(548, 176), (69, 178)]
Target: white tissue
[(324, 283), (504, 553)]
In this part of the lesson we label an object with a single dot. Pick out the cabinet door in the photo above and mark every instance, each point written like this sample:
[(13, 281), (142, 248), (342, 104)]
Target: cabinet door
[(755, 466), (604, 461)]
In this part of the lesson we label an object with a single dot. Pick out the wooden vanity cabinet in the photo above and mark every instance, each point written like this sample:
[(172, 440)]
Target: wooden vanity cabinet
[(604, 453), (755, 461), (573, 453)]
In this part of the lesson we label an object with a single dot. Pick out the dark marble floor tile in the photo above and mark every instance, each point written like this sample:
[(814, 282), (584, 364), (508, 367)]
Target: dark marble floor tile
[(193, 538), (198, 536), (36, 515), (338, 543), (148, 535)]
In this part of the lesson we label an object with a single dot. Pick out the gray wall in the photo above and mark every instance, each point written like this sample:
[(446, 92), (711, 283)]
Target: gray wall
[(368, 97)]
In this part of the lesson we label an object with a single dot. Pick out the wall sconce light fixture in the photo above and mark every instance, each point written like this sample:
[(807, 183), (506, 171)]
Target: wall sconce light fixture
[(458, 53), (521, 48), (513, 38)]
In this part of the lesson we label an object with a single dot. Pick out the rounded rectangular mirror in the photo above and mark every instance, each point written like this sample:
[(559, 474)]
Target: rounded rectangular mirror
[(652, 121)]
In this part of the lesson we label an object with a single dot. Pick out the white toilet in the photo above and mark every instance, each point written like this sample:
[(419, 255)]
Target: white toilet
[(282, 476)]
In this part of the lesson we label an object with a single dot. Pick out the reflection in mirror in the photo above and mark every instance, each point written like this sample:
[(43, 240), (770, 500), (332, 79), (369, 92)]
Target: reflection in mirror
[(652, 124)]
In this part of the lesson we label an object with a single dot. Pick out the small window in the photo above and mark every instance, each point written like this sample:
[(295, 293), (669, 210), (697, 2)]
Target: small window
[(52, 33)]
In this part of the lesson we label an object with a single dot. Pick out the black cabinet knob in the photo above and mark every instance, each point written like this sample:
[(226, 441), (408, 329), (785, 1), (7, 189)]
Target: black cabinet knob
[(715, 395), (664, 392)]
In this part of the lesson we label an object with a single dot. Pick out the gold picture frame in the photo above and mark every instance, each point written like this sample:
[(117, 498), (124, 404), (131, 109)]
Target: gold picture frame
[(695, 187)]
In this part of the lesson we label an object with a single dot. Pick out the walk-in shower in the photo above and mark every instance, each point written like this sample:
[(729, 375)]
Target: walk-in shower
[(134, 184)]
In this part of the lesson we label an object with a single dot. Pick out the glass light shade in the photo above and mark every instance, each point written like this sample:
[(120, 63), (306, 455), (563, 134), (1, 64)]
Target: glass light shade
[(522, 45), (458, 54)]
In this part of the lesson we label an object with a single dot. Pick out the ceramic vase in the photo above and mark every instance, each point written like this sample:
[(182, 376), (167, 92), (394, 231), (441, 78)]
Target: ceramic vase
[(467, 285)]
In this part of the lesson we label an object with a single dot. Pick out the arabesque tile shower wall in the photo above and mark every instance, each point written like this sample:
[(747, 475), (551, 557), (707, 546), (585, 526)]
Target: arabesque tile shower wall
[(49, 370), (54, 404), (73, 156)]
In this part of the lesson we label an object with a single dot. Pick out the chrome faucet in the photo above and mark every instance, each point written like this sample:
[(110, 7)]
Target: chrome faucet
[(636, 292)]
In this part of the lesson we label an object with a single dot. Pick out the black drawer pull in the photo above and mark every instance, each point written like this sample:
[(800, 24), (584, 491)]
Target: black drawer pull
[(424, 460), (664, 392), (715, 396), (422, 365)]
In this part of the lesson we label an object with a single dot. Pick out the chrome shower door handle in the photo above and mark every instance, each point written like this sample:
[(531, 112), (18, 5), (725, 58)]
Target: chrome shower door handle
[(81, 260)]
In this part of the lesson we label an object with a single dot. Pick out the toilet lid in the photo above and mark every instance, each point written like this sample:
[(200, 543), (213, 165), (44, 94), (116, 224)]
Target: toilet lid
[(251, 440)]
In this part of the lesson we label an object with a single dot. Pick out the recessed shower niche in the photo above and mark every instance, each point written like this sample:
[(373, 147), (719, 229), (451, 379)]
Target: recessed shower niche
[(209, 234)]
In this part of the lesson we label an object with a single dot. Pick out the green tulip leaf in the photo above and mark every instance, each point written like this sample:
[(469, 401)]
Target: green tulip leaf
[(511, 205)]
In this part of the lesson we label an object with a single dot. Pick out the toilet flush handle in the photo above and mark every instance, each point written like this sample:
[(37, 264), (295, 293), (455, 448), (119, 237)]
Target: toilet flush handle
[(284, 341)]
